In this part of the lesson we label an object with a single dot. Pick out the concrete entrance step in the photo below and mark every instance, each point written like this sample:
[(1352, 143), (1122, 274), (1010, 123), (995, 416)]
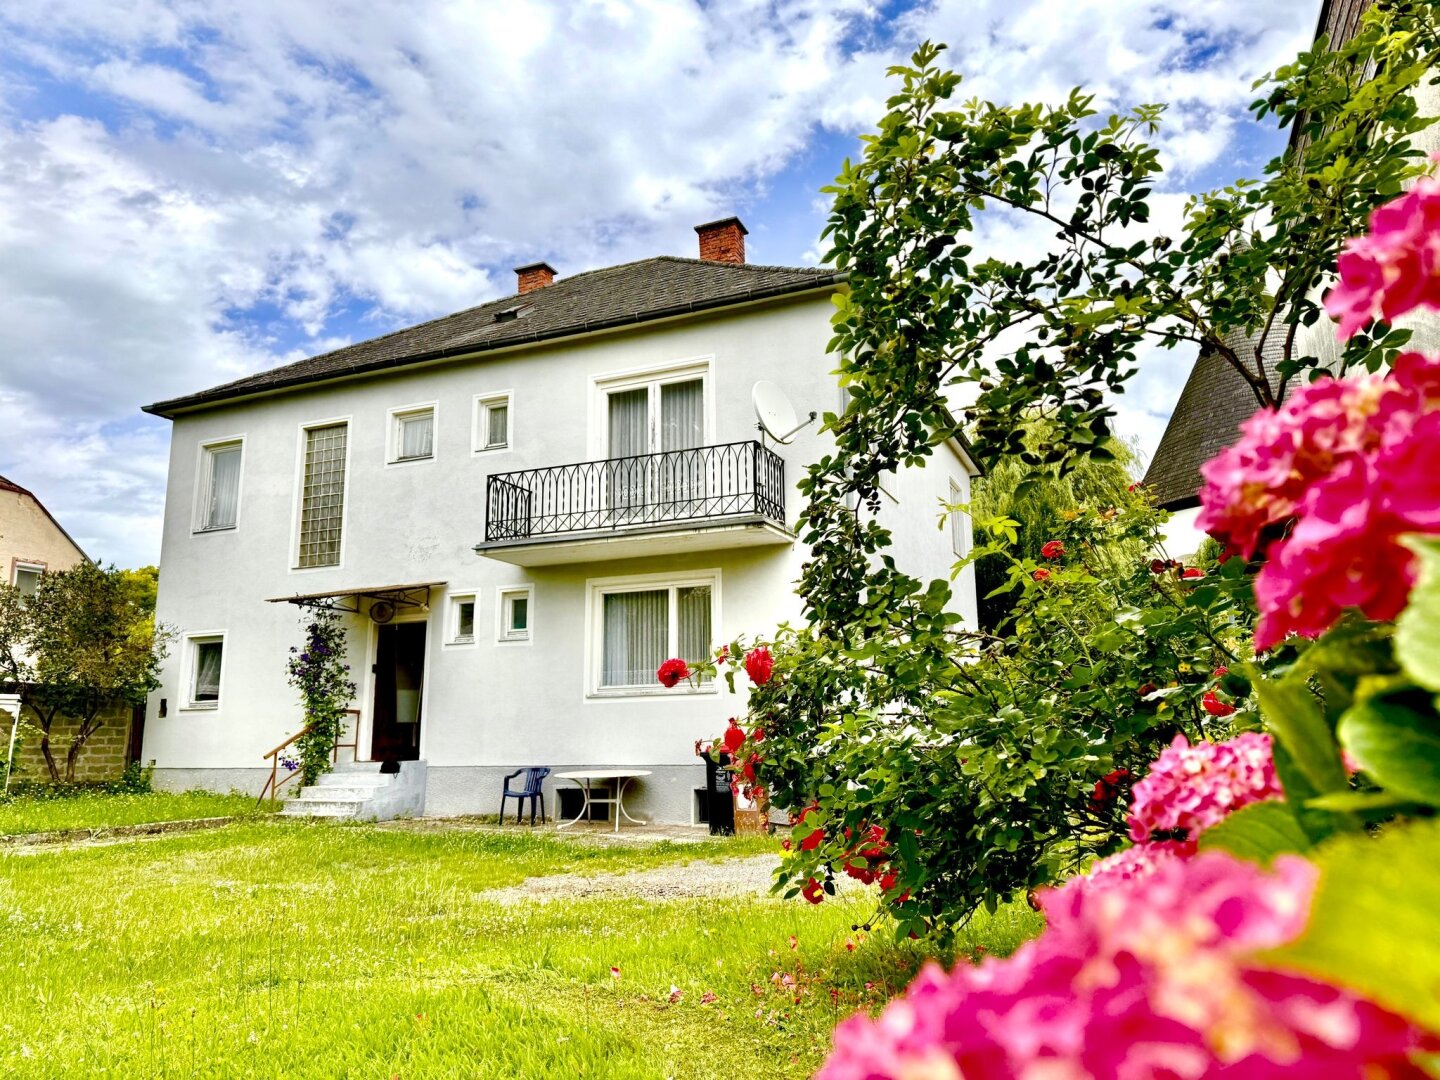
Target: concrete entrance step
[(359, 790)]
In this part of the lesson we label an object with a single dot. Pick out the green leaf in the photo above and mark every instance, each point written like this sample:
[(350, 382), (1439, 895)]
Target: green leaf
[(1417, 633), (1292, 713), (1258, 833), (1372, 922), (1359, 802), (1397, 745)]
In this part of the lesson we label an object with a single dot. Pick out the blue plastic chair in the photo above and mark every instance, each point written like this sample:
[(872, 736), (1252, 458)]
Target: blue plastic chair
[(534, 777)]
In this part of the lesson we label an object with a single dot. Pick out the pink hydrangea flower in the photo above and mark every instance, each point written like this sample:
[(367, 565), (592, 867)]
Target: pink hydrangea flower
[(1190, 788), (1152, 977), (1132, 864), (1327, 485), (1393, 269)]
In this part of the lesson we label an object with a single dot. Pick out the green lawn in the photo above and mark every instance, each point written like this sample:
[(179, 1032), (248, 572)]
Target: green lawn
[(280, 949), (96, 810)]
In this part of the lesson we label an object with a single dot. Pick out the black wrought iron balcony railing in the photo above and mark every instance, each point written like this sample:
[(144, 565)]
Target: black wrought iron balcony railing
[(705, 484)]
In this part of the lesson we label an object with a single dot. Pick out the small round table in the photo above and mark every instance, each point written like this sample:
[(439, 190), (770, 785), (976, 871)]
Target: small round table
[(620, 777)]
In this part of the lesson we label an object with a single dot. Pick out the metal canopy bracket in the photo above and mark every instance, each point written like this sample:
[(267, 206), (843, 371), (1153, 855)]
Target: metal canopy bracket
[(348, 600)]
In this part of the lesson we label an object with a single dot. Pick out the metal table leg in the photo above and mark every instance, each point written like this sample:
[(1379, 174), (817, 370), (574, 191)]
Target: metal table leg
[(584, 809)]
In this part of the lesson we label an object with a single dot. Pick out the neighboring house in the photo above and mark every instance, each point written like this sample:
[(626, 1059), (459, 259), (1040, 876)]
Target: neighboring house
[(32, 542), (1215, 399), (523, 509)]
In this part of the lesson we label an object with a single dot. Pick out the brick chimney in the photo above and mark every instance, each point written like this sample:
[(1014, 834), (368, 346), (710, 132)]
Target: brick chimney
[(723, 240), (535, 276)]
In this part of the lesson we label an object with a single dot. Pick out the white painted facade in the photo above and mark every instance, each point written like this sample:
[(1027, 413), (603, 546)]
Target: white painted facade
[(497, 702)]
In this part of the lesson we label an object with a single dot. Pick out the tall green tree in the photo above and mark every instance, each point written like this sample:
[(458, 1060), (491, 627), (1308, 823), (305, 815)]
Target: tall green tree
[(930, 305)]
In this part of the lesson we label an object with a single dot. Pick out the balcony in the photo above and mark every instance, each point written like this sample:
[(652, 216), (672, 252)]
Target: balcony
[(704, 499)]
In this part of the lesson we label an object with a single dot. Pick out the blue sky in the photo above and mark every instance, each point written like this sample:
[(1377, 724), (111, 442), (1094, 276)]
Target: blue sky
[(193, 191)]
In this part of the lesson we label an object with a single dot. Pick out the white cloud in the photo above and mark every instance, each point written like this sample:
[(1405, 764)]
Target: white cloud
[(168, 165)]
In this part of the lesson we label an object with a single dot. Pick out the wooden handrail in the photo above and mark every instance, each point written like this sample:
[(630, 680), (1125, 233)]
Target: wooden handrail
[(292, 739), (275, 783)]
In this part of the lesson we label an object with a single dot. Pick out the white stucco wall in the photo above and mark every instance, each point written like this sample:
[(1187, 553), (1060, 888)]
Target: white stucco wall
[(489, 704)]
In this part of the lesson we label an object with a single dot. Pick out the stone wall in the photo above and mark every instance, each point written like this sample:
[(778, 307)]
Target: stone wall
[(103, 757)]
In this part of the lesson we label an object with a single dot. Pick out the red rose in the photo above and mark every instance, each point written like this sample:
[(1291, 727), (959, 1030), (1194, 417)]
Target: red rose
[(722, 655), (811, 842), (1041, 575), (813, 891), (758, 735), (1053, 549), (734, 738), (1157, 566), (1214, 706), (1221, 672), (672, 671), (1146, 689), (758, 665), (1193, 572)]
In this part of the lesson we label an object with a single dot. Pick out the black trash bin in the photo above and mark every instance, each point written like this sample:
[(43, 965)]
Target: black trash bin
[(720, 803)]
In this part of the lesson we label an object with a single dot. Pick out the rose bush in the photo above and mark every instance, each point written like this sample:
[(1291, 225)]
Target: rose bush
[(946, 786)]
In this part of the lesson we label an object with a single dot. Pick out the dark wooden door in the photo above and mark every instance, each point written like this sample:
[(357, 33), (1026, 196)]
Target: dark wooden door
[(399, 676)]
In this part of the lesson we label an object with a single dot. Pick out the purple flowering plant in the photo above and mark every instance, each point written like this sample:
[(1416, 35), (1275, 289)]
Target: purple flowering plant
[(319, 672)]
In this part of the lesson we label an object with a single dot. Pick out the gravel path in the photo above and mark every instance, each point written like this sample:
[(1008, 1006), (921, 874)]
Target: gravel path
[(750, 876)]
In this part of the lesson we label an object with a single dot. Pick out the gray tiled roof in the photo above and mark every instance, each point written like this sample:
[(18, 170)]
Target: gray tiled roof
[(1206, 420), (637, 292)]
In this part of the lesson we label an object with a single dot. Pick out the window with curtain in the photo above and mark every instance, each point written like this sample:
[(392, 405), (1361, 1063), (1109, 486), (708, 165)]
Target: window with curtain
[(414, 435), (642, 421), (642, 628), (322, 498), (492, 422), (208, 654), (220, 487)]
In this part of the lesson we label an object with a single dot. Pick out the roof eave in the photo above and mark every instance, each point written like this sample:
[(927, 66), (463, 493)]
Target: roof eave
[(191, 402)]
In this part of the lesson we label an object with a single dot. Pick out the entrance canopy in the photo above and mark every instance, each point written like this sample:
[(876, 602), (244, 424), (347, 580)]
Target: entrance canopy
[(416, 596)]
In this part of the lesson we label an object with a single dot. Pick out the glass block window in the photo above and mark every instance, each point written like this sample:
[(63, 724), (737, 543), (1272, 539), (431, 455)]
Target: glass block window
[(322, 499)]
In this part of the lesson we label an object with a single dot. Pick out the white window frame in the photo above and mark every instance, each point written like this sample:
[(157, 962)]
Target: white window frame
[(395, 425), (298, 504), (503, 597), (28, 565), (203, 479), (452, 628), (595, 591), (602, 386), (480, 422), (959, 525), (190, 668)]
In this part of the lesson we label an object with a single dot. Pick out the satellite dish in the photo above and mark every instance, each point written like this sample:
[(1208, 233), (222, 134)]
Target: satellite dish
[(775, 413), (382, 611)]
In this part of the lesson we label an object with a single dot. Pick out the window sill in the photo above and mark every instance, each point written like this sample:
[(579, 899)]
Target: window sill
[(460, 643), (213, 529), (411, 460), (656, 691), (200, 706), (480, 451)]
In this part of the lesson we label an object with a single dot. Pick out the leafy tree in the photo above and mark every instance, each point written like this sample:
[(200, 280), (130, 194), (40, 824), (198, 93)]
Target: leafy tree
[(953, 767), (1039, 500), (90, 645), (930, 306)]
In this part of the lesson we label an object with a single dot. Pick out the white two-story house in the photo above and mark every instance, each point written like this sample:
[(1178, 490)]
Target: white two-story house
[(522, 509)]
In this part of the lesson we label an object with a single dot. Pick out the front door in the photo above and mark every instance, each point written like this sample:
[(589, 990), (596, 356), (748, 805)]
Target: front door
[(399, 673)]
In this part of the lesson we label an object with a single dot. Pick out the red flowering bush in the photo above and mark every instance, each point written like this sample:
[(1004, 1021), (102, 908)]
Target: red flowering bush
[(1052, 549)]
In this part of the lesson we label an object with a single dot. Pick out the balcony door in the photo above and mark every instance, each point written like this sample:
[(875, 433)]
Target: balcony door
[(659, 418)]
